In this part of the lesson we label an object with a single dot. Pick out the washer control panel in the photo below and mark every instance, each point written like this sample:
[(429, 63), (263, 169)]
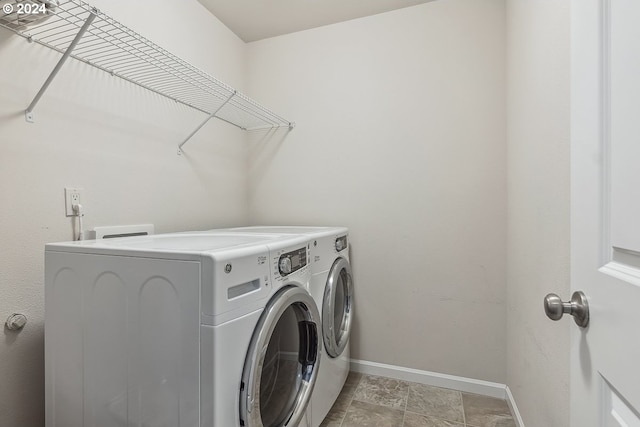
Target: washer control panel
[(292, 261), (341, 243)]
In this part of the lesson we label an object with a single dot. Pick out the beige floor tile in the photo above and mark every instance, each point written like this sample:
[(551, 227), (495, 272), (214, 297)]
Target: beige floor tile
[(496, 421), (362, 414), (484, 411), (382, 391), (418, 420), (350, 386), (436, 402), (352, 381), (367, 401), (339, 409), (332, 420)]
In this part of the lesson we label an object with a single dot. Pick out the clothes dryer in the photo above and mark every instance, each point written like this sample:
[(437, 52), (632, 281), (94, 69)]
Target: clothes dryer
[(180, 330), (331, 286)]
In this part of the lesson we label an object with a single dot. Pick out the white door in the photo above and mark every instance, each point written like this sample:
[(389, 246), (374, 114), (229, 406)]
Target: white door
[(605, 211)]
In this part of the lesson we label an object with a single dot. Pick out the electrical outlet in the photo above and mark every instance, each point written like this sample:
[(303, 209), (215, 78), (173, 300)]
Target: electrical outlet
[(71, 197)]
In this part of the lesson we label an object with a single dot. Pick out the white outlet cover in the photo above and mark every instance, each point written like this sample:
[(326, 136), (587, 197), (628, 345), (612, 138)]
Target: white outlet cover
[(68, 193)]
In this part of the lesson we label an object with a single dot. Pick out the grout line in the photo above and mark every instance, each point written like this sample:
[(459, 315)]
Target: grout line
[(406, 403), (351, 401), (464, 415)]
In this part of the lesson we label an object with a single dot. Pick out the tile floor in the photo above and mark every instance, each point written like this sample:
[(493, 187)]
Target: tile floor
[(370, 401)]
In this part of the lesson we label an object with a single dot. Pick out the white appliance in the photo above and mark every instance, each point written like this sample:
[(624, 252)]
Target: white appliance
[(331, 286), (180, 330)]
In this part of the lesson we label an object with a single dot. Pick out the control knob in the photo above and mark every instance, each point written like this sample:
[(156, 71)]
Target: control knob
[(285, 265)]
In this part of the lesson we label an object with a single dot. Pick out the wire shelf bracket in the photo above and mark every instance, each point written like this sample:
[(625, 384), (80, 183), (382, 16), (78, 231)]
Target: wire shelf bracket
[(212, 115), (76, 29), (29, 111)]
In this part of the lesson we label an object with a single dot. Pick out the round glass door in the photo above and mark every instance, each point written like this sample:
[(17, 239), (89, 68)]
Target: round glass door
[(337, 308), (281, 366)]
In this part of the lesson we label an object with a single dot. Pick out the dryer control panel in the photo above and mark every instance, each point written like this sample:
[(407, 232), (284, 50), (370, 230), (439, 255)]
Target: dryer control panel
[(292, 261)]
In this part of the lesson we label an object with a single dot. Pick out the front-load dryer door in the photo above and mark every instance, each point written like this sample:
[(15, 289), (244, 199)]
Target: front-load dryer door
[(337, 308), (282, 363)]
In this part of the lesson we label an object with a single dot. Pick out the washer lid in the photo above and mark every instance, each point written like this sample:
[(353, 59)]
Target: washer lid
[(186, 242), (276, 229)]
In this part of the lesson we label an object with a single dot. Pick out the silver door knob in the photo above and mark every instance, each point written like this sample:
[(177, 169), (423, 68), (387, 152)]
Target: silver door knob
[(578, 307), (16, 321)]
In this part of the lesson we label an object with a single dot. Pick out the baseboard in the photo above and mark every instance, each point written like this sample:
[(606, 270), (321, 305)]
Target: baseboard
[(435, 379), (514, 409)]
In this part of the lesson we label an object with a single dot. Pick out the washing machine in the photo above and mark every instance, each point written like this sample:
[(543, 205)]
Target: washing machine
[(331, 286), (180, 330)]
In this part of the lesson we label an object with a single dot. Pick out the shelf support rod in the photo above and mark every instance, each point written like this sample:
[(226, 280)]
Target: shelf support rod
[(29, 111), (212, 115)]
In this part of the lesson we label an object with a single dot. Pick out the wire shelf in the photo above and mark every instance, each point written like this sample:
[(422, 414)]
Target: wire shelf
[(77, 29)]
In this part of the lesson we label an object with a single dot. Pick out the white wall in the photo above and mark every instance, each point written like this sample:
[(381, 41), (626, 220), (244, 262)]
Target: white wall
[(401, 137), (119, 143), (538, 41)]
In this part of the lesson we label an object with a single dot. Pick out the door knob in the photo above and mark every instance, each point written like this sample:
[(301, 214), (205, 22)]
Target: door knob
[(16, 321), (578, 307)]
